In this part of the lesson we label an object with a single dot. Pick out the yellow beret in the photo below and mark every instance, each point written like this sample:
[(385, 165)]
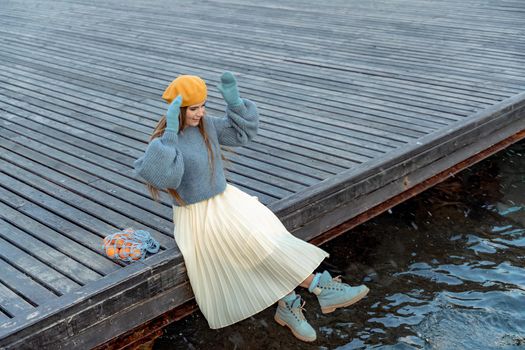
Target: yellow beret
[(191, 87)]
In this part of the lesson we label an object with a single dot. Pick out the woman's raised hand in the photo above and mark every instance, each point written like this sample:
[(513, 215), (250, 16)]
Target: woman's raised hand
[(229, 90), (172, 115)]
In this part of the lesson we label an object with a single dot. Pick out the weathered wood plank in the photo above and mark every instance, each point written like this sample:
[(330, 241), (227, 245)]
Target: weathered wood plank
[(3, 317), (361, 101), (180, 31), (110, 163), (119, 156), (358, 153), (94, 264), (40, 249), (288, 88), (102, 156), (362, 203), (17, 280), (72, 48), (269, 103), (36, 267), (506, 114), (96, 220), (17, 153), (91, 106), (106, 186), (138, 281), (90, 199), (13, 303)]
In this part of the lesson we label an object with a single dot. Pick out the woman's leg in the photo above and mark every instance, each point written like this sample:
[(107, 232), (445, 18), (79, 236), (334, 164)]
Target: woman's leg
[(306, 283)]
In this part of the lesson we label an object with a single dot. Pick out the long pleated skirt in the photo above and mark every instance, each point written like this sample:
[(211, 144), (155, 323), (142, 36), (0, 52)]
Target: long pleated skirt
[(239, 257)]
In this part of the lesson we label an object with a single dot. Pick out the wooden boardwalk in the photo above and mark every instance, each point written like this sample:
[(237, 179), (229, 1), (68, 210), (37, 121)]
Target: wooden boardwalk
[(359, 101)]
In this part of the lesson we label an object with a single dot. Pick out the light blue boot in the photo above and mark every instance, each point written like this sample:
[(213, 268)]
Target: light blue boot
[(290, 313), (332, 293)]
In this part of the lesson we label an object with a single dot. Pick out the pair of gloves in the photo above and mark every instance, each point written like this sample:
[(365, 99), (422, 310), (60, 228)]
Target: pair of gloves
[(228, 89)]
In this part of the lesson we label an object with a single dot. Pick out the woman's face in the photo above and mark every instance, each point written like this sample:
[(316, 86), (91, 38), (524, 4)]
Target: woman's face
[(194, 113)]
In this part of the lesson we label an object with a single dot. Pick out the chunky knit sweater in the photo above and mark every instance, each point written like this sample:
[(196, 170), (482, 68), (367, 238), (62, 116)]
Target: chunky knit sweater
[(180, 160)]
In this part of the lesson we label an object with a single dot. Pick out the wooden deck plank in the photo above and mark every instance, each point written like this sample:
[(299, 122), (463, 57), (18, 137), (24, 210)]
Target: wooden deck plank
[(286, 163), (434, 147), (94, 140), (111, 156), (292, 145), (124, 285), (369, 144), (89, 192), (279, 192), (43, 249), (372, 138), (67, 234), (413, 91), (84, 37), (14, 102), (37, 269), (438, 116), (287, 154), (408, 127), (64, 120), (3, 317), (11, 302), (63, 157), (257, 186), (342, 154), (17, 125), (111, 164), (108, 187), (127, 132), (274, 175), (31, 131), (293, 24), (64, 101), (375, 140), (96, 219), (24, 285), (392, 100), (110, 202), (17, 153)]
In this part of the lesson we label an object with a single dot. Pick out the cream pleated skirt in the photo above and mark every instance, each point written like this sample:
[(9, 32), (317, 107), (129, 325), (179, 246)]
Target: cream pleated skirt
[(239, 257)]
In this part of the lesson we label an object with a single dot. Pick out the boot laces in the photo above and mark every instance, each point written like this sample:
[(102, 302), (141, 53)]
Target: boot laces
[(298, 311), (337, 282)]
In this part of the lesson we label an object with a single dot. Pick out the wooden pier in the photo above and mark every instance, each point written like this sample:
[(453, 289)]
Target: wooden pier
[(363, 104)]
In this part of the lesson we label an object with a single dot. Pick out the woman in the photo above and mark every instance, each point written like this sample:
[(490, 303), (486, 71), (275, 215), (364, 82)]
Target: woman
[(239, 257)]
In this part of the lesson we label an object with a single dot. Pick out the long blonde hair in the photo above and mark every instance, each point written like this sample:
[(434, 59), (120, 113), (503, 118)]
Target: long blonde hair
[(159, 131)]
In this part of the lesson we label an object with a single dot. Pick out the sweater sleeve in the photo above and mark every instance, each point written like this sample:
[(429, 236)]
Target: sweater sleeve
[(161, 164), (239, 126)]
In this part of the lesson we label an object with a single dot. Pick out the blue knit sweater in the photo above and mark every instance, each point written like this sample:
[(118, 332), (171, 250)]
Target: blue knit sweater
[(180, 160)]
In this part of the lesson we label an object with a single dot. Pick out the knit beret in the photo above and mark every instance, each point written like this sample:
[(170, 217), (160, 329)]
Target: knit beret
[(191, 87)]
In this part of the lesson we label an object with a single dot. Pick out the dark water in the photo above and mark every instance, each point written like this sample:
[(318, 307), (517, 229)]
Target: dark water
[(446, 271)]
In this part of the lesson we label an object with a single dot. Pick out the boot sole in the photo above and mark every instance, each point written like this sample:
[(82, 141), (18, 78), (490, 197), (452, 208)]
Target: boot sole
[(298, 336), (331, 308)]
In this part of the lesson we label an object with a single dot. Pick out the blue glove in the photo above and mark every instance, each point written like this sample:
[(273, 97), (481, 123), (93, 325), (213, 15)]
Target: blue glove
[(172, 115), (229, 90)]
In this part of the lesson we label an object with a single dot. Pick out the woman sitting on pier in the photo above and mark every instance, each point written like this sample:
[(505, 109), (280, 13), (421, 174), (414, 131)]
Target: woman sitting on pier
[(239, 257)]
